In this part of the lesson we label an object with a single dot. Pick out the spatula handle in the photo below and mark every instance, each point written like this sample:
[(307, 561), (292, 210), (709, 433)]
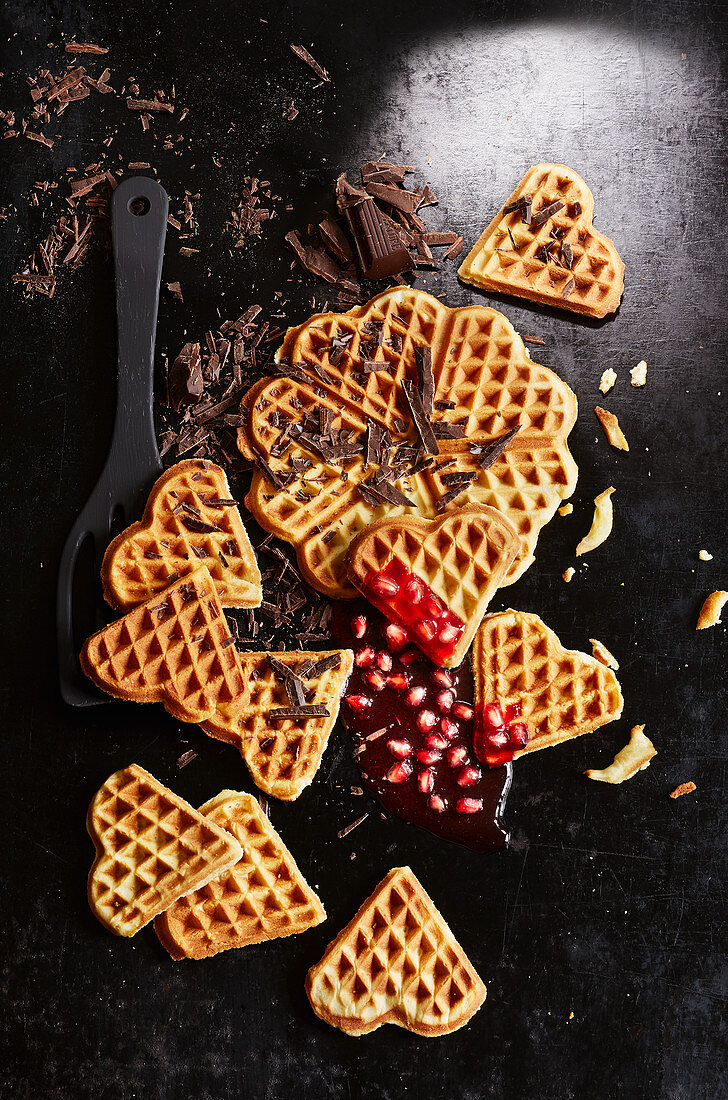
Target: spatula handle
[(139, 228)]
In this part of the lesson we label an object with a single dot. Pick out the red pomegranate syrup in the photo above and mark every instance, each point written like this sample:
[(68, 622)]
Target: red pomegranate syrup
[(414, 727)]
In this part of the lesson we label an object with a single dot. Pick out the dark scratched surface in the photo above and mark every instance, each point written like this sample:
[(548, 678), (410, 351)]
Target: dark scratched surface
[(601, 933)]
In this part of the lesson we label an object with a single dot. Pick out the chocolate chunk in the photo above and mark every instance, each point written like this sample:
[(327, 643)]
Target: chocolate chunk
[(319, 667), (545, 213), (335, 240), (398, 197), (567, 255), (448, 431), (379, 252), (308, 710), (425, 378), (186, 384), (381, 171), (421, 423), (494, 450), (193, 524)]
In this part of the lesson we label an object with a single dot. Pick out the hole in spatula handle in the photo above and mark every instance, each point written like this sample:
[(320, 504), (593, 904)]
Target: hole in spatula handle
[(139, 206)]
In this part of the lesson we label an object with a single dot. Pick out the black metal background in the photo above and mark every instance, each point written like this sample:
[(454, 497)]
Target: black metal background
[(601, 934)]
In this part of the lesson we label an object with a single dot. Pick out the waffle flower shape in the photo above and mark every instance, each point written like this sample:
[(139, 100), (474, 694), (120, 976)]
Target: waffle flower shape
[(177, 649), (530, 692), (263, 896), (543, 246), (435, 578), (396, 962), (282, 718), (403, 407), (190, 517), (152, 847)]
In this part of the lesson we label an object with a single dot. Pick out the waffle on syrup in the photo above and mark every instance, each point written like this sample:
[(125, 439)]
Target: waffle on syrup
[(542, 246), (396, 962), (485, 386), (189, 519), (152, 847), (261, 897), (557, 693), (435, 578)]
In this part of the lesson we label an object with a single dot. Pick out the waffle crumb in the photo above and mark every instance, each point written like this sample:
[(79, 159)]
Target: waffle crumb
[(612, 430), (601, 527), (704, 555), (634, 757), (601, 653), (711, 609), (566, 509), (609, 377), (568, 574), (684, 788), (638, 374)]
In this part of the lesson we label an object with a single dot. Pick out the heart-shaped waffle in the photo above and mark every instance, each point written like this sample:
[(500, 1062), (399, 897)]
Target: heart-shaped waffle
[(189, 518), (396, 962), (542, 246), (435, 578), (306, 490), (263, 896), (561, 693), (152, 847), (283, 754)]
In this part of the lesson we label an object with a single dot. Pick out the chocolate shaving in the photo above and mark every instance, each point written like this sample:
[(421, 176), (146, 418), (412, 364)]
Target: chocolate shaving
[(308, 710), (319, 667), (425, 378), (419, 418), (186, 384), (302, 53), (545, 213), (494, 450), (568, 288), (186, 758)]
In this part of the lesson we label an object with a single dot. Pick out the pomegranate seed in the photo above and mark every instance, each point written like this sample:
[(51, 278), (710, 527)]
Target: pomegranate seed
[(426, 780), (448, 728), (415, 695), (364, 657), (414, 590), (448, 633), (497, 739), (359, 626), (437, 804), (469, 805), (428, 756), (441, 677), (426, 629), (434, 741), (468, 777), (399, 772), (456, 756), (463, 710), (399, 681), (376, 680), (384, 586), (397, 637), (383, 660), (518, 733), (358, 703), (433, 606), (445, 700), (400, 749), (513, 710), (493, 715), (408, 656), (426, 721)]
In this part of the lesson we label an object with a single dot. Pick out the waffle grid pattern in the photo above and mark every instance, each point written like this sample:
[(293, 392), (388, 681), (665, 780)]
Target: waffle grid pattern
[(282, 755), (396, 962), (262, 897), (563, 693), (148, 556), (597, 271), (151, 847)]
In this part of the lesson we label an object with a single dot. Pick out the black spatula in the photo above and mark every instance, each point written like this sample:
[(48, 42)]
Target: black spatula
[(139, 227)]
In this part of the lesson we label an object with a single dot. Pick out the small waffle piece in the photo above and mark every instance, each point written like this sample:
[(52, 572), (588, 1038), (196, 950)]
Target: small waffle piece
[(189, 518), (283, 754), (396, 962), (263, 896), (175, 649), (322, 435), (542, 246), (562, 693), (152, 847), (462, 559)]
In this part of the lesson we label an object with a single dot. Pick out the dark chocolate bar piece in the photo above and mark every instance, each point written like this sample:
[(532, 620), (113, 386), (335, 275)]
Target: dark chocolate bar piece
[(379, 253)]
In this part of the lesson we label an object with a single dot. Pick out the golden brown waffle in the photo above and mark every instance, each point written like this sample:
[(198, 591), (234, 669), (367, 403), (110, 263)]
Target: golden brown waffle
[(262, 897), (189, 518), (151, 848), (396, 962), (462, 558), (480, 365), (562, 692), (580, 270), (282, 755), (175, 649)]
